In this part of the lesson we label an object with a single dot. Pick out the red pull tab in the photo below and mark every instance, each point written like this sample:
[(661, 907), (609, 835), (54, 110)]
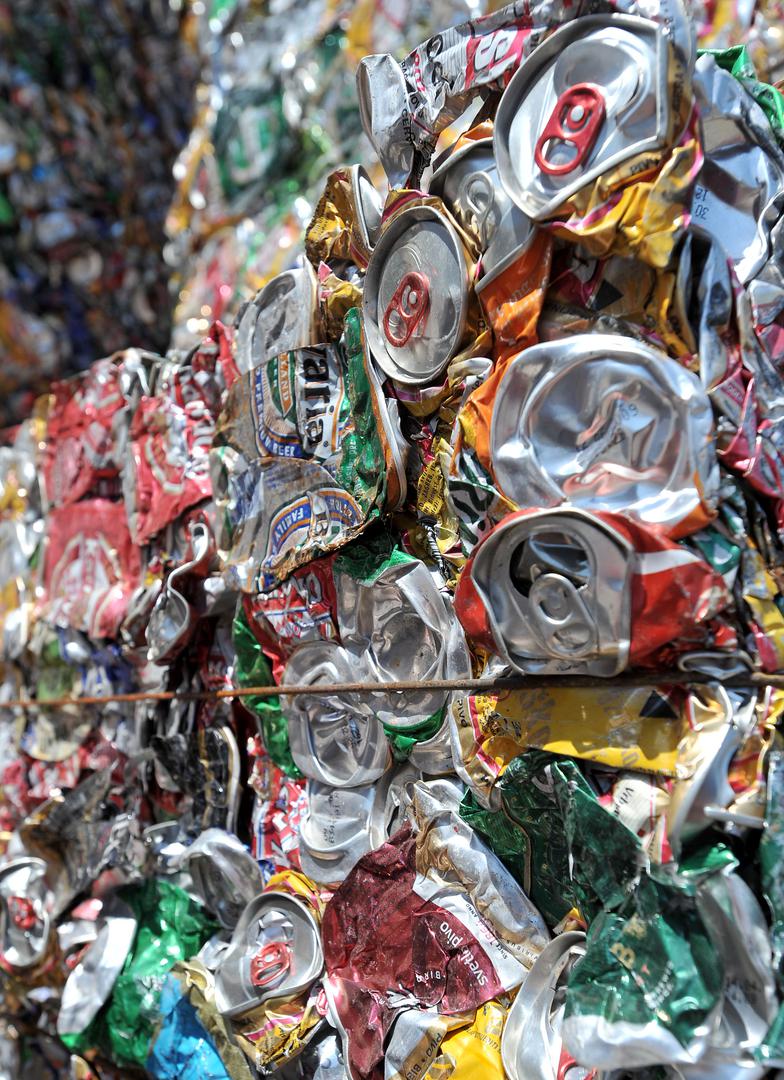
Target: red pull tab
[(22, 912), (271, 961), (408, 307), (576, 119), (565, 1065)]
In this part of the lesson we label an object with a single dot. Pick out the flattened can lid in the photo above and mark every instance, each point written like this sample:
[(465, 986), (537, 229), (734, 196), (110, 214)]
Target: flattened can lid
[(415, 297), (279, 318), (331, 741), (605, 423), (590, 97), (556, 587), (275, 952), (468, 183), (224, 874)]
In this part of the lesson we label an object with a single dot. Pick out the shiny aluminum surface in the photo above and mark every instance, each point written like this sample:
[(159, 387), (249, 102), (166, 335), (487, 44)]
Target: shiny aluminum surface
[(739, 193), (531, 1040), (601, 421), (415, 296), (556, 586), (468, 183), (25, 903), (369, 205), (276, 930), (330, 741), (90, 983), (624, 59), (281, 317), (400, 625), (224, 875)]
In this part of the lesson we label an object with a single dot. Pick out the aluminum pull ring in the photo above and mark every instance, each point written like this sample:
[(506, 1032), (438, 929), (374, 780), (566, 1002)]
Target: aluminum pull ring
[(561, 618), (22, 912), (408, 307), (270, 962), (575, 120)]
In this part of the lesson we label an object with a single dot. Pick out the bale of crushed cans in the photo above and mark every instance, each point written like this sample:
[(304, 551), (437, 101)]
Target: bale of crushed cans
[(96, 101), (509, 433)]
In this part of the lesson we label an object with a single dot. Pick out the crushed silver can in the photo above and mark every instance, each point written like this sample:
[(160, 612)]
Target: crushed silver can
[(397, 624), (224, 875), (591, 96), (90, 983), (25, 909), (738, 194), (275, 952), (281, 317), (340, 825), (368, 204), (330, 741), (531, 1045), (604, 422), (571, 591), (467, 181), (415, 298)]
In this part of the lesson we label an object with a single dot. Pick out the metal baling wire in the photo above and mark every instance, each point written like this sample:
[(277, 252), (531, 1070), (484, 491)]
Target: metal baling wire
[(476, 686)]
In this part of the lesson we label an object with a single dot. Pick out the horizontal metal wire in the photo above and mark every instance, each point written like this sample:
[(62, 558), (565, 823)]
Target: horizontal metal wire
[(408, 686)]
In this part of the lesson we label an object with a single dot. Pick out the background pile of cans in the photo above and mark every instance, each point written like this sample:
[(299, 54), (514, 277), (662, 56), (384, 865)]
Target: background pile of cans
[(517, 407)]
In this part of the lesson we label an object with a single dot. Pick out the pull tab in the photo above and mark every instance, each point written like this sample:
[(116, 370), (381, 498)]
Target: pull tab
[(22, 912), (561, 617), (269, 963), (478, 193), (575, 120), (408, 306), (568, 1069)]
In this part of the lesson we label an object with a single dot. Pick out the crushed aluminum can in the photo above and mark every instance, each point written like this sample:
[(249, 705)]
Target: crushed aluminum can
[(279, 512), (531, 1044), (739, 934), (397, 624), (275, 952), (25, 906), (404, 106), (280, 318), (739, 193), (416, 296), (90, 983), (347, 220), (585, 593), (339, 826), (467, 181), (91, 567), (172, 621), (369, 206), (224, 876), (603, 422), (427, 920), (719, 723), (589, 98), (637, 728), (330, 742)]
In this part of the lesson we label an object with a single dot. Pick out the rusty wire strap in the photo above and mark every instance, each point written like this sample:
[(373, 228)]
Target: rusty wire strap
[(476, 686)]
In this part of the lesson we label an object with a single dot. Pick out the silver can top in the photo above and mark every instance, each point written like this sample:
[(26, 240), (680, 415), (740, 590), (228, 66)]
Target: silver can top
[(606, 423), (415, 297), (590, 97)]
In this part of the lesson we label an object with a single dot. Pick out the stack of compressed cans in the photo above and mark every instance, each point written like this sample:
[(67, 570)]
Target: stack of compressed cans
[(519, 414), (95, 103)]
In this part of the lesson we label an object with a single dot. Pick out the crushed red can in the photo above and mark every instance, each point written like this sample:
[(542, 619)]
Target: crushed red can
[(572, 591)]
